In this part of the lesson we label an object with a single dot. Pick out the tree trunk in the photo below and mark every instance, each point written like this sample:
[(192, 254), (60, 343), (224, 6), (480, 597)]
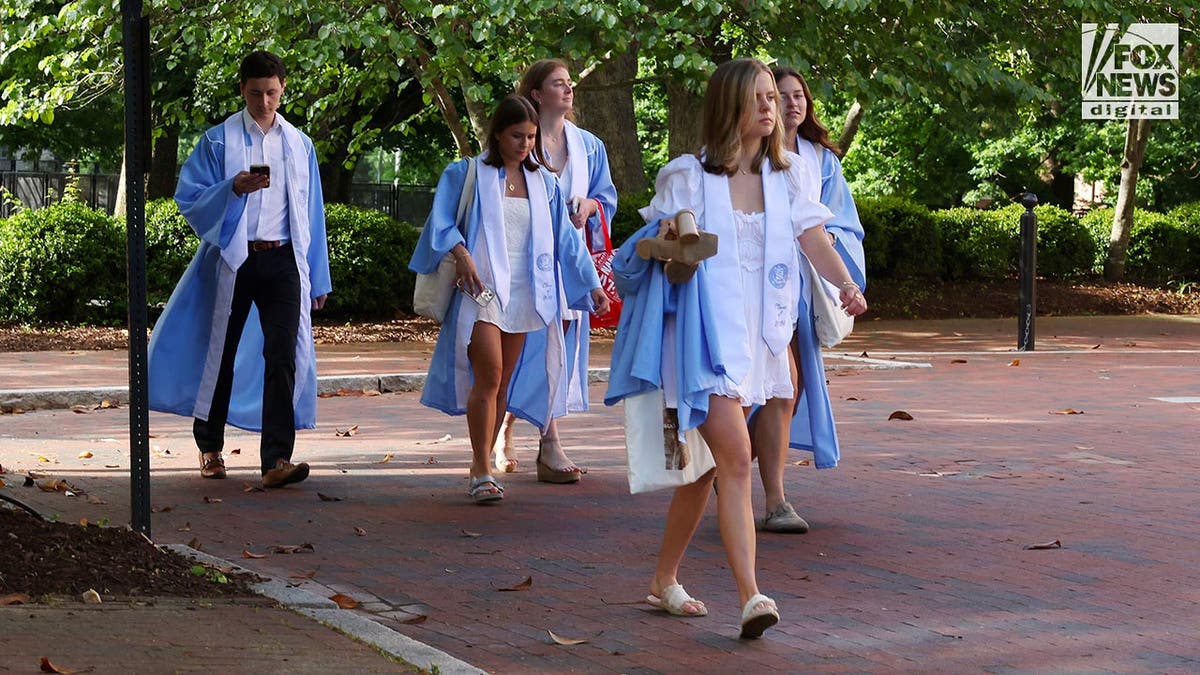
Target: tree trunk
[(163, 164), (604, 106), (119, 202), (336, 179), (850, 128), (684, 116), (441, 97), (478, 113), (1137, 134)]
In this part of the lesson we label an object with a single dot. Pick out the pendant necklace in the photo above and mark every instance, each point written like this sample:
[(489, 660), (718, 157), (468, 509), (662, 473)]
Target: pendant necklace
[(512, 188)]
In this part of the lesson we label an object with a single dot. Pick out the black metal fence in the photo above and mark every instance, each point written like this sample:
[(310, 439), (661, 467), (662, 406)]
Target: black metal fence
[(38, 189)]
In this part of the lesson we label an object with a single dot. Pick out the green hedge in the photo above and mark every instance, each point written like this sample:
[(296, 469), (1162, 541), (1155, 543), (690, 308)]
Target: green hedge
[(63, 263), (66, 263), (902, 238), (1162, 248), (368, 262), (170, 245)]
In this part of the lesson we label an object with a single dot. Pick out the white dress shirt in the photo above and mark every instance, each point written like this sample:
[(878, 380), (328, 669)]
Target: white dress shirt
[(267, 209)]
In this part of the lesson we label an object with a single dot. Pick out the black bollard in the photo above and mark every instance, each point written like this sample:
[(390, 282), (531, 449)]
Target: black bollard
[(1028, 263)]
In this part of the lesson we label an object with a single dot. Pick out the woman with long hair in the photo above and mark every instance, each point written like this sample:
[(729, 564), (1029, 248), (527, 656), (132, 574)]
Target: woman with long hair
[(581, 163), (811, 426), (724, 332), (517, 256)]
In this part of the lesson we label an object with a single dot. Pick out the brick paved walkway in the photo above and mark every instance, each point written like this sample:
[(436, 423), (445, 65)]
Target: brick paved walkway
[(917, 559)]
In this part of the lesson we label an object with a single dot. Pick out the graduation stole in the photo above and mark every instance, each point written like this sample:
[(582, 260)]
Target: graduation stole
[(495, 262), (725, 272), (577, 157)]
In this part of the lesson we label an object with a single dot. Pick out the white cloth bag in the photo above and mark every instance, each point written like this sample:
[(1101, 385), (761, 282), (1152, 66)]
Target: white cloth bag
[(432, 292), (646, 447), (832, 322)]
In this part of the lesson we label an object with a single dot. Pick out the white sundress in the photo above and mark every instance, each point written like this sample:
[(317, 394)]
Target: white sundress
[(769, 375), (519, 315)]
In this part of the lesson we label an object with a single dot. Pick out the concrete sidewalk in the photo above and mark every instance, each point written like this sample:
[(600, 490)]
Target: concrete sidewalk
[(917, 560)]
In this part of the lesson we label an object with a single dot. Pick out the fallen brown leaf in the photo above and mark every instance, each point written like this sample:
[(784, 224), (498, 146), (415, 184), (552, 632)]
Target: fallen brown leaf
[(468, 533), (48, 666), (253, 556), (347, 433), (83, 522), (14, 599), (251, 487), (161, 509), (91, 597), (523, 586), (414, 620), (293, 549), (1094, 347), (194, 543), (1014, 362), (386, 458), (327, 498), (431, 460), (107, 404), (187, 527), (235, 451), (900, 415), (958, 360), (81, 411), (1066, 411), (344, 601), (85, 455), (212, 500), (1039, 547), (360, 532), (566, 641)]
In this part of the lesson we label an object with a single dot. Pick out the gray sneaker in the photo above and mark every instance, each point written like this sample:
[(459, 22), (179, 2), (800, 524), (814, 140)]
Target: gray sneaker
[(784, 519)]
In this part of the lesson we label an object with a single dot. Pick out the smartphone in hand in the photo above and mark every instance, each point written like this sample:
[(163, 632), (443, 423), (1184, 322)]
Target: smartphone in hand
[(482, 298), (263, 169)]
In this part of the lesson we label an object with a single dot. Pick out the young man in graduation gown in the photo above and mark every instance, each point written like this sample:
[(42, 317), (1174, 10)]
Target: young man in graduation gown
[(234, 344)]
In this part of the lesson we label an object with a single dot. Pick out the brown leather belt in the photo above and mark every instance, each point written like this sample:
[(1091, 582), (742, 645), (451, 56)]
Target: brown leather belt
[(259, 246)]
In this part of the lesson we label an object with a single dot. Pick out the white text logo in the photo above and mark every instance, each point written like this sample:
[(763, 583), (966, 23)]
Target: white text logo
[(1131, 73)]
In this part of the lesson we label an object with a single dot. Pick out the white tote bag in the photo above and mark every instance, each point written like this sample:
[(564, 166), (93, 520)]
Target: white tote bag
[(832, 322), (432, 292), (656, 457)]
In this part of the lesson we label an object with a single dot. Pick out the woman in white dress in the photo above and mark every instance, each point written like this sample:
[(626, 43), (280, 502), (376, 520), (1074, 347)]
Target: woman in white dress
[(747, 190), (514, 261), (580, 161)]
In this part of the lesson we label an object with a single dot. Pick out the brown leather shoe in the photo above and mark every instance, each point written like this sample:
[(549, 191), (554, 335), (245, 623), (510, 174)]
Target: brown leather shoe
[(285, 473), (212, 465)]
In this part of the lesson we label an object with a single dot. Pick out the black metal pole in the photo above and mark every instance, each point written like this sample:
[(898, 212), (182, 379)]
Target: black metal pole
[(1028, 294), (136, 31)]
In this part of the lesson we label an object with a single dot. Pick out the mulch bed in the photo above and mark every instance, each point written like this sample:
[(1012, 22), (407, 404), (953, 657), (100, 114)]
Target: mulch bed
[(41, 560), (909, 299)]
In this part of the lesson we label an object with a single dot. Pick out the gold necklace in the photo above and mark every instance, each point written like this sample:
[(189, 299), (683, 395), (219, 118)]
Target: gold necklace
[(512, 188)]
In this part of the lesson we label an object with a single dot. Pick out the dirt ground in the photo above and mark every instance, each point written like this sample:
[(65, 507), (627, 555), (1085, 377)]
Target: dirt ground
[(41, 561)]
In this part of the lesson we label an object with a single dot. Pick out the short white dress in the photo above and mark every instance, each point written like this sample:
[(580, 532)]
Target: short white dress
[(519, 314)]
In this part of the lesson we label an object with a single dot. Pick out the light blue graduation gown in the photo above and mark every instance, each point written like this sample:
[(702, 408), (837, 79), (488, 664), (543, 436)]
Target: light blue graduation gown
[(186, 345), (813, 426), (527, 390), (575, 274)]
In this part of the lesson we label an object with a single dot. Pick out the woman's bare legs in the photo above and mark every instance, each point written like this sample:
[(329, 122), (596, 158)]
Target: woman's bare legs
[(550, 450), (725, 432), (769, 432), (493, 356)]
